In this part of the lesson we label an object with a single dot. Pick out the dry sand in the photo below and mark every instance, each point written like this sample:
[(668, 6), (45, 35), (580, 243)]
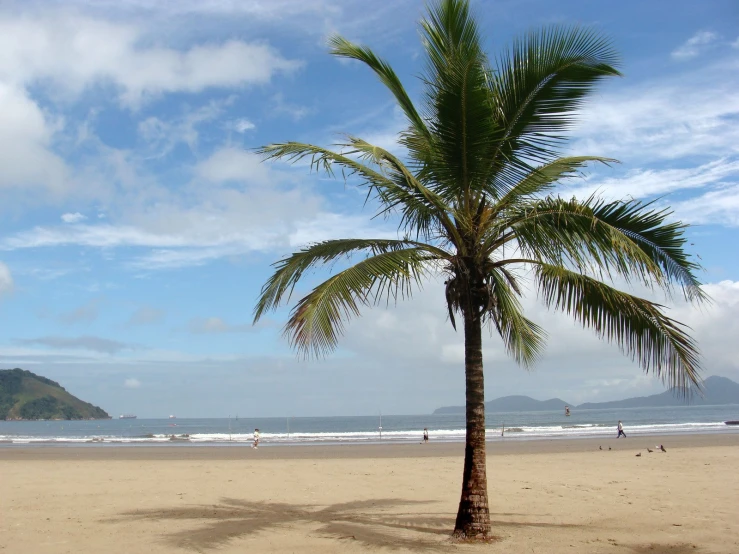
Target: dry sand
[(545, 497)]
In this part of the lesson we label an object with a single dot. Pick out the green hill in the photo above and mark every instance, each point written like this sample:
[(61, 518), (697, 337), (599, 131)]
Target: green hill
[(512, 404), (25, 395), (717, 391)]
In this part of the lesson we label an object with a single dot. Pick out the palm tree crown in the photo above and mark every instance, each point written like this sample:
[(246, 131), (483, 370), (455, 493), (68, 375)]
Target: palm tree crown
[(473, 193)]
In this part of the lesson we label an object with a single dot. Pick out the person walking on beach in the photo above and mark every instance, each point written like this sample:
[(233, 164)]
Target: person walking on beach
[(620, 430), (256, 439), (425, 435)]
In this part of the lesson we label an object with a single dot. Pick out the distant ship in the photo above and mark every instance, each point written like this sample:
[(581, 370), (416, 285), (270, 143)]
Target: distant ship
[(127, 416), (173, 417)]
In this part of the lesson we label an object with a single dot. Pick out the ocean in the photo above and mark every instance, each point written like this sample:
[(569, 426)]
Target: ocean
[(366, 429)]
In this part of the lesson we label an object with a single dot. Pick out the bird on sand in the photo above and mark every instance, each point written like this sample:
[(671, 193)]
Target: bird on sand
[(609, 448), (662, 448), (650, 450), (600, 448), (639, 454)]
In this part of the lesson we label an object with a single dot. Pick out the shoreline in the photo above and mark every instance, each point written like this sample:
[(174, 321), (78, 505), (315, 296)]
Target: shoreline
[(189, 451)]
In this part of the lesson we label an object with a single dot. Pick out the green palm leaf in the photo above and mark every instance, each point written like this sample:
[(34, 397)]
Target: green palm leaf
[(545, 177), (345, 49), (408, 187), (422, 210), (661, 345), (524, 340), (289, 270), (620, 239), (318, 319), (663, 242), (540, 84), (459, 103)]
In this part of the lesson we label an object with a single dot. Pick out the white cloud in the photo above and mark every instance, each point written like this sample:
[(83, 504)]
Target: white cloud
[(26, 136), (690, 114), (295, 111), (162, 136), (235, 164), (59, 55), (642, 183), (716, 207), (240, 125), (106, 236), (73, 217), (259, 11), (6, 279), (89, 235), (317, 18), (132, 383), (182, 238), (76, 52), (716, 327), (573, 366), (326, 226), (675, 134), (694, 45), (234, 205), (735, 44)]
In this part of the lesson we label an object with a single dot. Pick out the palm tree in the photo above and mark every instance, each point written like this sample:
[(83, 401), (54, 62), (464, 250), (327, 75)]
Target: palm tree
[(473, 197)]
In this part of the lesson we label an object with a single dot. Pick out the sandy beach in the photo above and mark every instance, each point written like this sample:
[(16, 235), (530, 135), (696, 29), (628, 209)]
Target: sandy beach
[(545, 497)]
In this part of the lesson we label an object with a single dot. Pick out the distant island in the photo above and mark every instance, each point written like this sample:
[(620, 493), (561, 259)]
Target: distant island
[(25, 395), (717, 390)]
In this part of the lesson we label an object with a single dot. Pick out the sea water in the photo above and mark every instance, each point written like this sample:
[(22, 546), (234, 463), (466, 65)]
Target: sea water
[(366, 429)]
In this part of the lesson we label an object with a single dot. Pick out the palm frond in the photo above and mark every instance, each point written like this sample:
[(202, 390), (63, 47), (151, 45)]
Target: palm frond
[(289, 270), (318, 319), (624, 239), (524, 340), (394, 183), (663, 242), (408, 187), (543, 178), (459, 103), (660, 345), (540, 84), (345, 49)]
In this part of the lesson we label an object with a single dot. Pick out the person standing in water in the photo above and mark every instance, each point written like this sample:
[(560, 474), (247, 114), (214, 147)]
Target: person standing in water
[(425, 435), (256, 439), (620, 430)]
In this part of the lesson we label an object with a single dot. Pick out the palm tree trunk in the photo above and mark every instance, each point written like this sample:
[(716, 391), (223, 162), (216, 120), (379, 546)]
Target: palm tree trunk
[(473, 517)]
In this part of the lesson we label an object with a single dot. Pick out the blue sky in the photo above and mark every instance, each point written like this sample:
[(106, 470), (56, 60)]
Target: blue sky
[(136, 225)]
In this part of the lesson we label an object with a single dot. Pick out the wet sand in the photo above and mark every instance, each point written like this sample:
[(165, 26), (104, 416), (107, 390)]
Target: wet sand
[(545, 496)]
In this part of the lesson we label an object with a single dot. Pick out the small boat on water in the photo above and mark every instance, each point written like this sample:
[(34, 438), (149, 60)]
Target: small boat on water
[(732, 422), (173, 417), (127, 416)]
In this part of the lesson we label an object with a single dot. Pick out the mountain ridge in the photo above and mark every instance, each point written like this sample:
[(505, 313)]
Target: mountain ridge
[(27, 396), (718, 390)]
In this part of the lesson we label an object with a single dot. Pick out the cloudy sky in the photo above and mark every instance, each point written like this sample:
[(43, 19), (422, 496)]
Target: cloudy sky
[(136, 225)]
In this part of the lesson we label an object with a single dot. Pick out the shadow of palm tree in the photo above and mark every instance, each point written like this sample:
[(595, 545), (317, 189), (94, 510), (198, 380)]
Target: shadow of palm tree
[(375, 523)]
